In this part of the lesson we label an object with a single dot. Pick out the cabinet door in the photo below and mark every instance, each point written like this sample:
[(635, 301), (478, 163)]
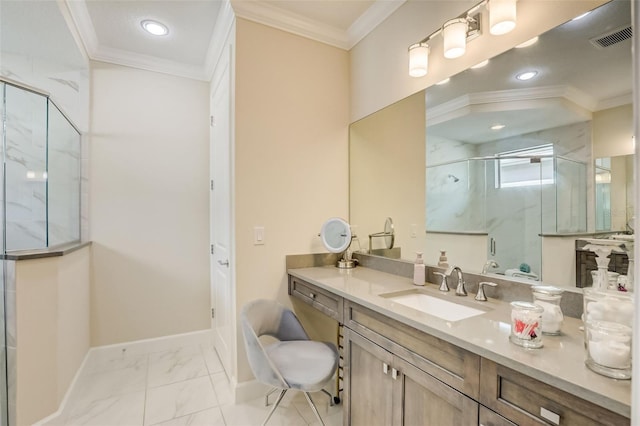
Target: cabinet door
[(368, 385), (421, 399), (489, 418)]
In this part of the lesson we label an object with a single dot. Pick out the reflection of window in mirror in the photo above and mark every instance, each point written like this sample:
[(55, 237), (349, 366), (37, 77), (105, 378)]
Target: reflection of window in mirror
[(534, 168)]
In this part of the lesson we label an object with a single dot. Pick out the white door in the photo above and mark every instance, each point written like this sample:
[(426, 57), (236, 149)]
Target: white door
[(220, 225)]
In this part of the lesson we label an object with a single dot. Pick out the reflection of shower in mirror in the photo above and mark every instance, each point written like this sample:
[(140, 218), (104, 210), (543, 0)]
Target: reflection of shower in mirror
[(455, 179)]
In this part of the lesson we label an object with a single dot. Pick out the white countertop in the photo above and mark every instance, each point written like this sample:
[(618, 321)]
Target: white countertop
[(559, 363)]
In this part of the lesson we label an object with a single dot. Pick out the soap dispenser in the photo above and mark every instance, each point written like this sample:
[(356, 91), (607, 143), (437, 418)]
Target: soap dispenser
[(419, 277)]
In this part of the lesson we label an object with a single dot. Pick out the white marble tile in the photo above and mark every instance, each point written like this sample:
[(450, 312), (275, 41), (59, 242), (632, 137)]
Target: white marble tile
[(125, 409), (176, 365), (110, 360), (179, 399), (322, 404), (105, 384), (254, 412), (209, 417), (211, 359), (222, 388)]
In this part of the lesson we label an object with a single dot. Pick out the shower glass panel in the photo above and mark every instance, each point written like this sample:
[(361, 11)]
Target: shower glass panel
[(63, 179), (25, 169), (456, 196), (513, 199)]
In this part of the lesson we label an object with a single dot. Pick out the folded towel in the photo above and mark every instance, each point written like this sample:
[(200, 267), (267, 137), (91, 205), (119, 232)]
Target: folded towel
[(514, 272)]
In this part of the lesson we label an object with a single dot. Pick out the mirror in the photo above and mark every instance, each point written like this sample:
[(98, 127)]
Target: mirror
[(579, 104), (614, 204), (336, 235)]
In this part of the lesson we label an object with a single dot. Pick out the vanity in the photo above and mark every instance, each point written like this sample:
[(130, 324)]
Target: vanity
[(406, 366)]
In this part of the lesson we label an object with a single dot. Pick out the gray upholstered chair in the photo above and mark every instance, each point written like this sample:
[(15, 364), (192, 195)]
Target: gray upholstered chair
[(293, 362)]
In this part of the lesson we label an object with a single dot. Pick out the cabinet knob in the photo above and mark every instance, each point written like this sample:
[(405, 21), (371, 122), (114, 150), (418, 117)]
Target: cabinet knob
[(550, 415), (312, 295), (385, 368)]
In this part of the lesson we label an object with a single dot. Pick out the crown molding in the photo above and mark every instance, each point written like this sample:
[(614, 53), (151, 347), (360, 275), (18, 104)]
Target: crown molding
[(435, 114), (149, 63), (267, 14), (615, 102), (370, 19), (83, 25)]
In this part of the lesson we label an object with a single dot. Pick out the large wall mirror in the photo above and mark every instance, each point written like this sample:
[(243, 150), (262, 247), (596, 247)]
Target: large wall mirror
[(489, 166)]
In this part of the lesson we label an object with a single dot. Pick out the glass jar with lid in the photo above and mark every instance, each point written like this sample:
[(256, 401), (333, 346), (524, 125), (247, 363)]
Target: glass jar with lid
[(526, 320), (549, 298)]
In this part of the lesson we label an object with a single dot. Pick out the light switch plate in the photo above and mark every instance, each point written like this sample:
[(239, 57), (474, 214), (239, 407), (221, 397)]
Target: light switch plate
[(258, 235)]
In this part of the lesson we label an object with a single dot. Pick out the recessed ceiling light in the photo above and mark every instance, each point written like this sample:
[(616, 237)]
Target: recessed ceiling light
[(154, 27), (581, 16), (445, 81), (481, 64), (527, 43), (497, 127), (528, 75)]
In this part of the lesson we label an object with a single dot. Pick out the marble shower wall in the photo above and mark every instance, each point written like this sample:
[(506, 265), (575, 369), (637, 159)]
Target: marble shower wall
[(42, 173)]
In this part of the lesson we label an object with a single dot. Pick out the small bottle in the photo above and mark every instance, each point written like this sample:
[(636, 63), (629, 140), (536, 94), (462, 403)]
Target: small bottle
[(442, 262), (419, 277)]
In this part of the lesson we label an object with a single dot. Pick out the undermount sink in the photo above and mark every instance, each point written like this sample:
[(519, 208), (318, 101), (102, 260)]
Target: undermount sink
[(431, 305)]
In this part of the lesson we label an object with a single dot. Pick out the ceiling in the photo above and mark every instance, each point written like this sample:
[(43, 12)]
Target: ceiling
[(110, 29)]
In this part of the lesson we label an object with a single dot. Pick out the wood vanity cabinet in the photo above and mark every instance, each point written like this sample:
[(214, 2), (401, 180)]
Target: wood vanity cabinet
[(397, 375), (526, 401), (383, 389), (324, 301)]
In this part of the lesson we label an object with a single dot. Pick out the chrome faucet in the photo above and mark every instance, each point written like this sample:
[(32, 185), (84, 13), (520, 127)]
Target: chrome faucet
[(489, 264), (460, 290)]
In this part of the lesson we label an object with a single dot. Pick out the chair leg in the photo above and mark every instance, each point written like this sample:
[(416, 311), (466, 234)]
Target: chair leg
[(266, 397), (329, 395), (313, 407), (274, 406)]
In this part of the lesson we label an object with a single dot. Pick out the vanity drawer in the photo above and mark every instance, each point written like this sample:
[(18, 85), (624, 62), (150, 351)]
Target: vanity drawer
[(450, 364), (322, 300), (526, 401), (489, 418)]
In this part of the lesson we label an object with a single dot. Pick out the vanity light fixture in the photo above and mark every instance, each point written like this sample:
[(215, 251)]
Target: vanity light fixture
[(527, 43), (418, 59), (498, 127), (502, 16), (454, 33), (480, 65), (460, 30), (154, 27), (527, 75)]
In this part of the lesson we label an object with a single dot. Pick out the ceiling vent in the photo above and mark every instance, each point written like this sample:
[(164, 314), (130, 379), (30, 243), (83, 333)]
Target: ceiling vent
[(612, 37)]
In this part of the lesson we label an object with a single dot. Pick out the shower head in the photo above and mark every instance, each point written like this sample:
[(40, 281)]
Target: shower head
[(455, 179)]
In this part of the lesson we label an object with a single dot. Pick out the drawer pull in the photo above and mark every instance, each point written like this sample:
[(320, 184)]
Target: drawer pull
[(394, 373), (385, 368), (312, 295), (550, 415)]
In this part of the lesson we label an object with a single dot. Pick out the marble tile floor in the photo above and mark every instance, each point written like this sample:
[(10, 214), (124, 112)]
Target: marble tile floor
[(182, 386)]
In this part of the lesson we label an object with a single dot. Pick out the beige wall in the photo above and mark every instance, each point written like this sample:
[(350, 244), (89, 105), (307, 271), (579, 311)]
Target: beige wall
[(52, 320), (379, 63), (612, 132), (149, 204), (386, 149), (291, 155)]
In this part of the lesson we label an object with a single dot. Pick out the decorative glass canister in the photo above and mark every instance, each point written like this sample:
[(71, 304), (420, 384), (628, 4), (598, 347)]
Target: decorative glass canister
[(608, 317), (526, 321), (549, 298)]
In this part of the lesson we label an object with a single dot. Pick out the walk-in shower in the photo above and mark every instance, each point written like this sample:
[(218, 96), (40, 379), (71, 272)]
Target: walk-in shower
[(40, 200)]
